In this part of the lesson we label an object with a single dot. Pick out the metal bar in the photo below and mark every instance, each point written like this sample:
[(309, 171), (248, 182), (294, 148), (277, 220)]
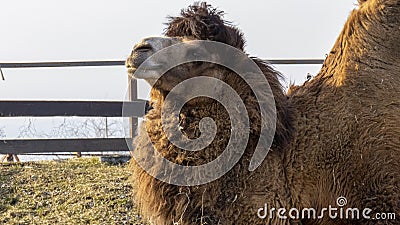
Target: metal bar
[(64, 145), (135, 108), (68, 154), (2, 75), (122, 62), (296, 61), (63, 64)]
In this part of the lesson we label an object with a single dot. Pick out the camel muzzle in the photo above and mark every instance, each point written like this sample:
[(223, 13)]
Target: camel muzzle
[(140, 57)]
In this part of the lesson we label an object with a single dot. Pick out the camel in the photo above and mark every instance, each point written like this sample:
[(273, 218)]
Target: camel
[(337, 139)]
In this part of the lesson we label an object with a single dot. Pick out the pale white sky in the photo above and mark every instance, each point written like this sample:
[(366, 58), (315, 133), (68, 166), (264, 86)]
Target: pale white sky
[(48, 30)]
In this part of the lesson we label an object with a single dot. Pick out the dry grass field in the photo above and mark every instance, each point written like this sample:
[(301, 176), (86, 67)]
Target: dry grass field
[(74, 191)]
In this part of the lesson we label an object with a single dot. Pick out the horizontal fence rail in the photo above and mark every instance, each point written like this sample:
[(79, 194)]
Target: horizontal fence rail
[(64, 145), (136, 108), (296, 61), (63, 64), (122, 62)]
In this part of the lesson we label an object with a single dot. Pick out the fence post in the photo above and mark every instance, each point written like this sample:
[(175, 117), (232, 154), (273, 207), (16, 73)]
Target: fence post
[(132, 87)]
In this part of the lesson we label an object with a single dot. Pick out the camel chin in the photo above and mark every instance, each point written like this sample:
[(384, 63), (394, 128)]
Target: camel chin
[(149, 75)]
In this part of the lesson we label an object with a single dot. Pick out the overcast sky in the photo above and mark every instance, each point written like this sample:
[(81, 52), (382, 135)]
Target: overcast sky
[(48, 30)]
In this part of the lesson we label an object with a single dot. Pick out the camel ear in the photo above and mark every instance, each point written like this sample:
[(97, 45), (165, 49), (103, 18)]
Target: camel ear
[(203, 22)]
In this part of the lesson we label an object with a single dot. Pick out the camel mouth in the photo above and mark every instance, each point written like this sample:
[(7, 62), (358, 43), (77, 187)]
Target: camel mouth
[(148, 73)]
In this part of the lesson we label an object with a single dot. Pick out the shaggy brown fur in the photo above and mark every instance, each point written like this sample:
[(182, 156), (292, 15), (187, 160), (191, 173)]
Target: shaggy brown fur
[(337, 135)]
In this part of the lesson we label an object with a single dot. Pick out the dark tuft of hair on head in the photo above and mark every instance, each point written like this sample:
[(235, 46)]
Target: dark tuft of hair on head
[(203, 22)]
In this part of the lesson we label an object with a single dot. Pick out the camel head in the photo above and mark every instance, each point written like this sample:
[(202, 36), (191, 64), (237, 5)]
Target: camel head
[(196, 23), (164, 62)]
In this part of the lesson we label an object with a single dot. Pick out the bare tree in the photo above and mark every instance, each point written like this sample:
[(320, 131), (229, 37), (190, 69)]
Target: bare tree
[(28, 130), (75, 128), (2, 132), (88, 128)]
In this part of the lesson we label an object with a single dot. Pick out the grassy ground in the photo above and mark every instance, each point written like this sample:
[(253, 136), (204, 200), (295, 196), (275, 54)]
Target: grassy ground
[(75, 191)]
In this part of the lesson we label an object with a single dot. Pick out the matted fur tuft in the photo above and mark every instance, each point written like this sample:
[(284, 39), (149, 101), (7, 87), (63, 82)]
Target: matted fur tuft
[(203, 22)]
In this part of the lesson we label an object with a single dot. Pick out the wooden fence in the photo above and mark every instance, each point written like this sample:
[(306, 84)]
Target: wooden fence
[(134, 108)]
